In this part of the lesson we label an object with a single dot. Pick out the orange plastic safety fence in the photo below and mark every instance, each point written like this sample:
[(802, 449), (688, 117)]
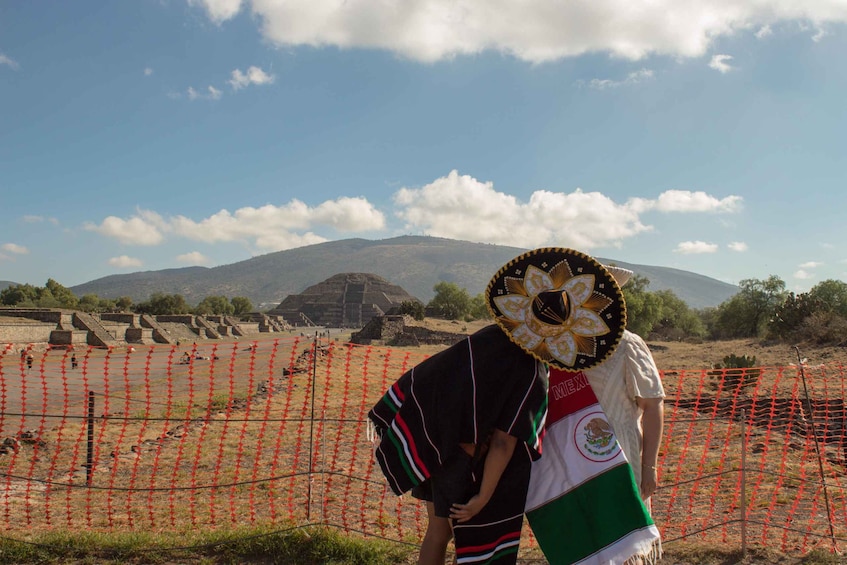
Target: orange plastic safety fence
[(275, 431)]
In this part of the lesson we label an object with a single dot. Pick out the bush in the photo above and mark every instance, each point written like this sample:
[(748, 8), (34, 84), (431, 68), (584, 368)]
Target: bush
[(737, 372), (412, 308), (823, 328)]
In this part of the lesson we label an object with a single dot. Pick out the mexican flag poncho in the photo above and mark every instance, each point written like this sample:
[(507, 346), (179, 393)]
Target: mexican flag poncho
[(583, 504), (460, 395)]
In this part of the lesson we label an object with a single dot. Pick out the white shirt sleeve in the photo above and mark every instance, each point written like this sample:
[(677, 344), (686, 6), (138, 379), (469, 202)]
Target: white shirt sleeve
[(642, 374)]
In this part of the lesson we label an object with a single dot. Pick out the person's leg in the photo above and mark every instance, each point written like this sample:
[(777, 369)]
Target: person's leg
[(438, 535)]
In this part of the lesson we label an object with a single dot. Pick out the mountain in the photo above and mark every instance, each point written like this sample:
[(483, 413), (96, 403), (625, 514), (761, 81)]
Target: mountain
[(415, 263), (7, 284)]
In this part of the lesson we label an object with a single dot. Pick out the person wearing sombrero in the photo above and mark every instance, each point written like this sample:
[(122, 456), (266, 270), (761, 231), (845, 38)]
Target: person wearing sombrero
[(583, 502), (462, 428), (629, 388)]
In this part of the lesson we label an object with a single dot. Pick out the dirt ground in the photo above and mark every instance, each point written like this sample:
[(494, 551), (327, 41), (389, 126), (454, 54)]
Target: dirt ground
[(677, 355)]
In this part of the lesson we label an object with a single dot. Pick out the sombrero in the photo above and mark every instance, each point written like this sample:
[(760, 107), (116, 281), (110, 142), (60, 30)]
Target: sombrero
[(561, 306), (620, 274)]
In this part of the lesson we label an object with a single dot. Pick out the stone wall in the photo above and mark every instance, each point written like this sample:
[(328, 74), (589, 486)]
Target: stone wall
[(48, 316), (30, 326), (126, 319), (68, 337), (26, 333), (397, 330)]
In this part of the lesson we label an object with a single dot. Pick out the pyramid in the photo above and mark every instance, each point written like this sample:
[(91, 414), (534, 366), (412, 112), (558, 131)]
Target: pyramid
[(345, 300)]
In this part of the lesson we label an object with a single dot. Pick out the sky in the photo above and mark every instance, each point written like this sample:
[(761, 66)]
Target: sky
[(703, 135)]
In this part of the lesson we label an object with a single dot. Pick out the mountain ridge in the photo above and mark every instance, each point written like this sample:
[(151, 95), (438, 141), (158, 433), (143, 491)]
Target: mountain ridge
[(416, 263)]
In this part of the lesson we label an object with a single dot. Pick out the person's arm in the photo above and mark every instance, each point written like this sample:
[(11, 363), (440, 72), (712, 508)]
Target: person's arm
[(499, 453), (652, 424)]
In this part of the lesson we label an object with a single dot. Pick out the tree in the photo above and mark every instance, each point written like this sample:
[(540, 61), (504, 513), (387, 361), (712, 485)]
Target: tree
[(412, 308), (831, 296), (676, 318), (124, 303), (451, 301), (18, 295), (643, 308), (241, 305), (163, 304), (747, 313), (52, 295), (789, 316), (89, 303), (479, 308), (214, 305), (62, 295)]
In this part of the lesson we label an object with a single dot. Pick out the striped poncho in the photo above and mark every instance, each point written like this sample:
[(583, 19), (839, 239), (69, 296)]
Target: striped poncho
[(460, 395)]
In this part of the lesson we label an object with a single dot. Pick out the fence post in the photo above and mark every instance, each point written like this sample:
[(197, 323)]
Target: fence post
[(743, 505), (312, 427), (89, 458)]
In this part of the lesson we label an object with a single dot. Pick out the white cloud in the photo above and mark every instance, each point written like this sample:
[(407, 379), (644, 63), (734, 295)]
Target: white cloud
[(33, 219), (803, 275), (254, 75), (268, 227), (695, 247), (454, 206), (811, 265), (11, 63), (145, 228), (687, 201), (764, 31), (273, 227), (432, 30), (211, 93), (125, 261), (193, 258), (148, 71), (461, 207), (219, 10), (738, 246), (15, 248), (632, 78), (721, 63)]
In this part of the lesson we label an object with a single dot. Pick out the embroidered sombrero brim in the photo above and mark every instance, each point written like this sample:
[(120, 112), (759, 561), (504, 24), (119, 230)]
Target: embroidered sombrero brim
[(561, 306)]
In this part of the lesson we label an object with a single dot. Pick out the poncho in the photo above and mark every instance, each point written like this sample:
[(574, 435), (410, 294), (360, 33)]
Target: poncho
[(460, 395)]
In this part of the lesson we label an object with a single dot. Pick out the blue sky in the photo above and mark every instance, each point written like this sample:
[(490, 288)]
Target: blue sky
[(706, 136)]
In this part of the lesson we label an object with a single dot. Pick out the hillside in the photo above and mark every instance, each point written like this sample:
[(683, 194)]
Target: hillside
[(415, 263), (6, 284)]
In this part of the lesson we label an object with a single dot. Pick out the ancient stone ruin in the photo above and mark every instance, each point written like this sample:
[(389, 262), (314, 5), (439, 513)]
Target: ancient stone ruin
[(346, 300), (403, 331)]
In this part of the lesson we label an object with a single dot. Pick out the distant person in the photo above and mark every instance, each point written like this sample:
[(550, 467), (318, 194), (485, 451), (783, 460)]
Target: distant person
[(29, 360), (74, 363)]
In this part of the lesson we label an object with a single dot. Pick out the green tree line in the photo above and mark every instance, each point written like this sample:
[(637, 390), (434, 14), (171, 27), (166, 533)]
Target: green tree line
[(54, 295), (761, 309)]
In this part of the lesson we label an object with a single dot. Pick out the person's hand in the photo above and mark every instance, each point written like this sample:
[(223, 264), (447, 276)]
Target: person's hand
[(648, 481), (464, 512)]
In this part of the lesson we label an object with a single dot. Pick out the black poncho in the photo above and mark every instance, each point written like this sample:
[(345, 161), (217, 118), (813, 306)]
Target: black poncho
[(460, 395)]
